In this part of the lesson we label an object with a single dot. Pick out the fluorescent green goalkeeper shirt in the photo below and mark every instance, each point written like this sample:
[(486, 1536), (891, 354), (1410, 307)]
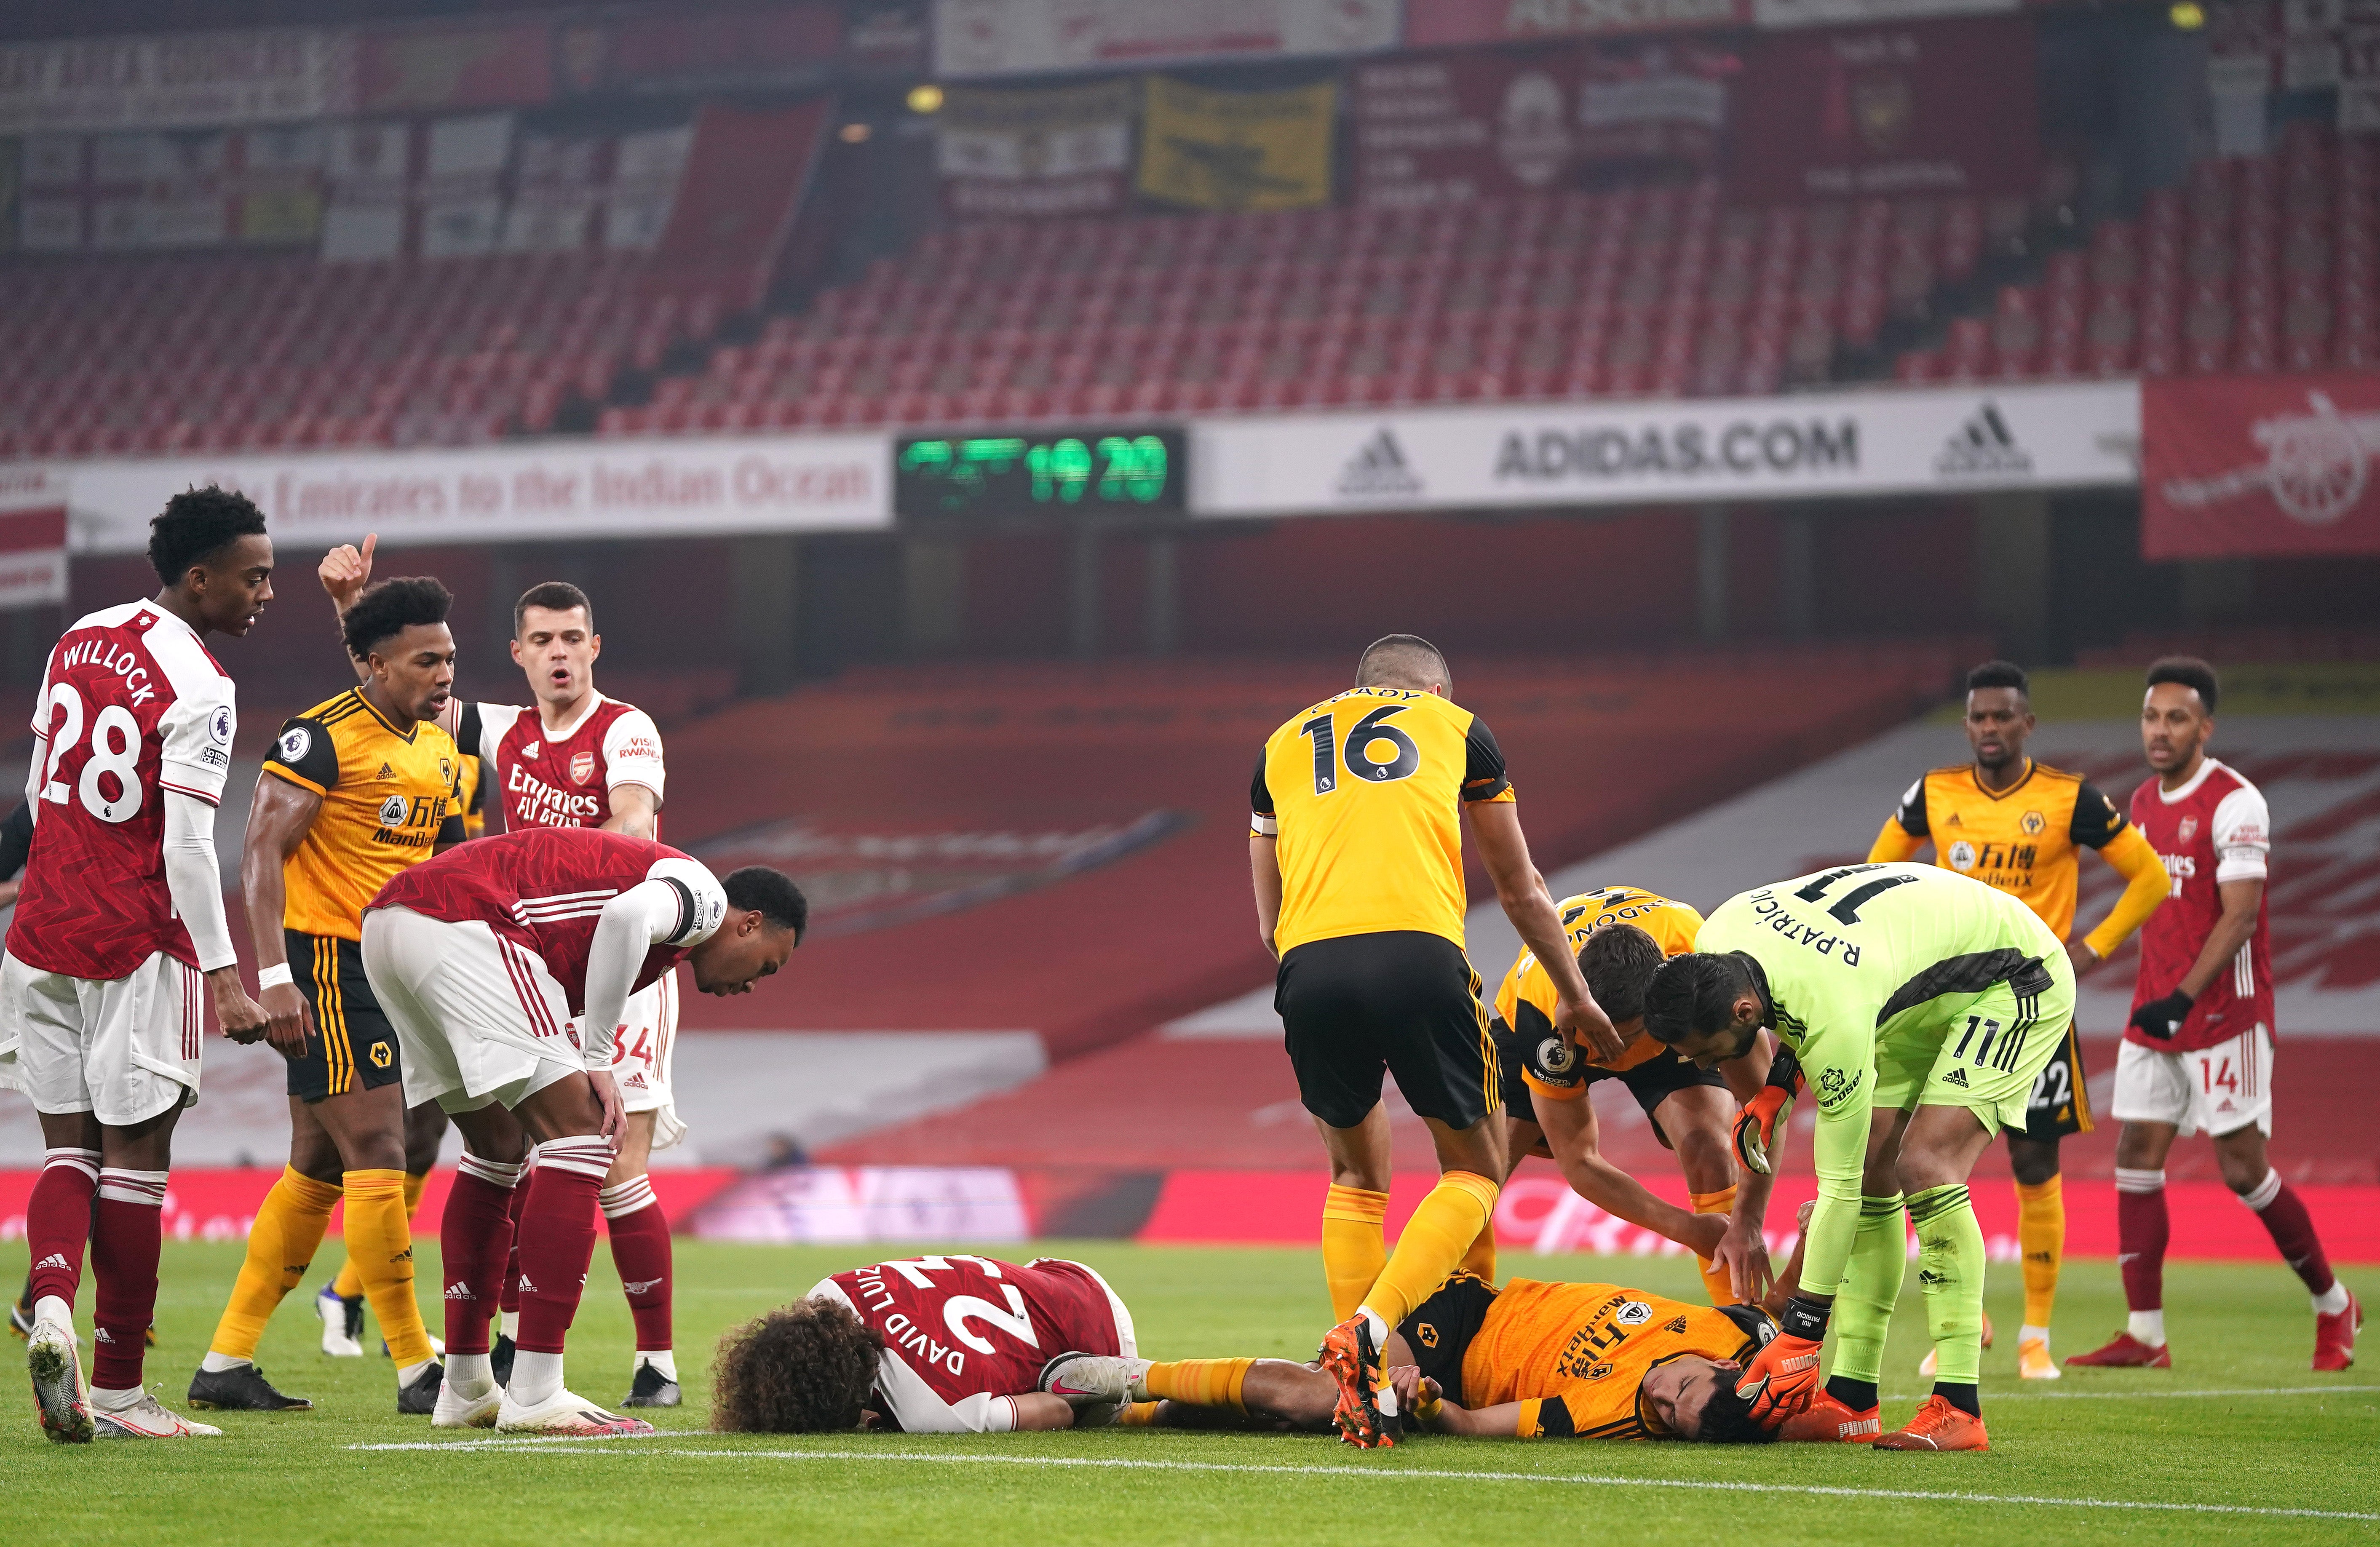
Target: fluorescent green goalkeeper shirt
[(1859, 955)]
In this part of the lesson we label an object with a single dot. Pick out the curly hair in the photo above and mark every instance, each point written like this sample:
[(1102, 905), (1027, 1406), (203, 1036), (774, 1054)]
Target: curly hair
[(2190, 672), (388, 608), (772, 894), (197, 525), (1617, 962), (803, 1369)]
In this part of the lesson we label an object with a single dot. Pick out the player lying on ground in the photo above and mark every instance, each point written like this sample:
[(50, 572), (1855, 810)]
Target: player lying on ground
[(1621, 934), (929, 1345), (484, 958), (578, 759), (1922, 1006), (1531, 1360)]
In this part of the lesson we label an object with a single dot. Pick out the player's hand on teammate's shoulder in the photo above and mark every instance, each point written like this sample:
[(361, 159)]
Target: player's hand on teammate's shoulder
[(346, 569), (286, 1017), (1583, 1022), (241, 1017)]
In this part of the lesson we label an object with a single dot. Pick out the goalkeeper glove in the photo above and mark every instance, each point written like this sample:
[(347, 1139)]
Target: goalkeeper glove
[(2162, 1019), (1784, 1375), (1762, 1120)]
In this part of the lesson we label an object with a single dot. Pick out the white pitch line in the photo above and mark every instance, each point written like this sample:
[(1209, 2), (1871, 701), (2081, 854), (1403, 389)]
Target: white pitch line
[(1426, 1474), (2113, 1396)]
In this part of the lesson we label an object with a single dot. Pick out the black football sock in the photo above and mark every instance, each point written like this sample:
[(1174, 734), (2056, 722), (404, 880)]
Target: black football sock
[(1960, 1394), (1858, 1396)]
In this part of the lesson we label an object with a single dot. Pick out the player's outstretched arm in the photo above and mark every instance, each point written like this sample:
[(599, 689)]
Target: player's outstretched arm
[(278, 820), (1569, 1131), (1504, 851), (2145, 885)]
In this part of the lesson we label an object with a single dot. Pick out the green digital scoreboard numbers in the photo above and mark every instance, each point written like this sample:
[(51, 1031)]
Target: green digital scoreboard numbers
[(1120, 472)]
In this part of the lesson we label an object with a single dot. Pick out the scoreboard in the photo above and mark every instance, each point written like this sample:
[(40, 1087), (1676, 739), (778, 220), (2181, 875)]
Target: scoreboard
[(1121, 471)]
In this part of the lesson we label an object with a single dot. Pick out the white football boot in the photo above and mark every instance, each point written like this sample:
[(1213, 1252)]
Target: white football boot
[(146, 1420), (1085, 1380), (456, 1410), (59, 1396), (564, 1414), (343, 1320)]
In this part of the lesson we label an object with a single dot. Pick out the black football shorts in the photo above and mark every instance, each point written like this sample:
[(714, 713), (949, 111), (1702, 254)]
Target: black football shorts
[(1402, 1002), (352, 1045), (2062, 1102)]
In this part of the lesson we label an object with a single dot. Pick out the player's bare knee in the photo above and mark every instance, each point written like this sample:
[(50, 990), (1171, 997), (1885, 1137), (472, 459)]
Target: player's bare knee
[(2033, 1162)]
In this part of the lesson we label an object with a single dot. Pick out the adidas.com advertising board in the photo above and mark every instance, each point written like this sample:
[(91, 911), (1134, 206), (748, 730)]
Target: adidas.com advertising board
[(1899, 441)]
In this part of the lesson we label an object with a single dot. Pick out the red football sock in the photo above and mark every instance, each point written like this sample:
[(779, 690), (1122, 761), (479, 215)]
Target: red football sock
[(2141, 1230), (640, 1250), (475, 1239), (126, 1239), (57, 1221), (510, 1301), (2285, 1216), (557, 1238)]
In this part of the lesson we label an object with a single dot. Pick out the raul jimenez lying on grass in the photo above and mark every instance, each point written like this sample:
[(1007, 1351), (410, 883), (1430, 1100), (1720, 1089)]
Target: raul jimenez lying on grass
[(1533, 1361)]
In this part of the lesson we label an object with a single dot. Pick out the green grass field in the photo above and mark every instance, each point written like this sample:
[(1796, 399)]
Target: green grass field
[(2239, 1442)]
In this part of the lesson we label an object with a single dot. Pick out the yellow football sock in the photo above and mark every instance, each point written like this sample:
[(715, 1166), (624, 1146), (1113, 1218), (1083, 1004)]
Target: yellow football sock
[(1354, 1245), (281, 1245), (1480, 1260), (1136, 1415), (1202, 1382), (380, 1245), (349, 1283), (1715, 1279), (2041, 1236), (1433, 1244)]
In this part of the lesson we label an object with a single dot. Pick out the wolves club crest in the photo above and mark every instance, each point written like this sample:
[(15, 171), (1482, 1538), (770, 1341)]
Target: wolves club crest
[(582, 766)]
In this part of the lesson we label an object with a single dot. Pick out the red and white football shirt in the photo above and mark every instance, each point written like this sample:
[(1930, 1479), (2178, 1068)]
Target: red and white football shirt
[(131, 705), (543, 889), (962, 1334), (2213, 829), (566, 778)]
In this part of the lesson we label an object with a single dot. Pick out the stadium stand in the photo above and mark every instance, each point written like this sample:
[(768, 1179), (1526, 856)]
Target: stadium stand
[(2259, 265), (1663, 290), (124, 355)]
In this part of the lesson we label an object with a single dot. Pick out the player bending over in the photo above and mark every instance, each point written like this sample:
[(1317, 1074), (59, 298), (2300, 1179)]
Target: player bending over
[(1531, 1360), (1622, 936), (483, 958), (1922, 1006), (120, 915), (929, 1345)]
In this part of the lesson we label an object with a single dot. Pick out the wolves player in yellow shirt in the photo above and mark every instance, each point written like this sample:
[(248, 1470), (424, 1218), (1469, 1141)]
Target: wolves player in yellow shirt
[(1622, 936), (1356, 854), (355, 789), (2019, 825)]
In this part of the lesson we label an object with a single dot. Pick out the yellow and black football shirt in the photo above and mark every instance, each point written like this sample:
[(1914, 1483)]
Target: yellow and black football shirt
[(1364, 793), (1526, 1002), (388, 799), (2025, 840), (1576, 1356)]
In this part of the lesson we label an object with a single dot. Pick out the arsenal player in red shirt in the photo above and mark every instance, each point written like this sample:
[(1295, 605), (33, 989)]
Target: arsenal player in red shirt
[(2198, 1054)]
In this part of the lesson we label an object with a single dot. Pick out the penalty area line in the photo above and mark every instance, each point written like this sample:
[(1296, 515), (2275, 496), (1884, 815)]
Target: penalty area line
[(1423, 1474)]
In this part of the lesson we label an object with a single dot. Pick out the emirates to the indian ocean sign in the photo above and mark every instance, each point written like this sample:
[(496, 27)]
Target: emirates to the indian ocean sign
[(2237, 465)]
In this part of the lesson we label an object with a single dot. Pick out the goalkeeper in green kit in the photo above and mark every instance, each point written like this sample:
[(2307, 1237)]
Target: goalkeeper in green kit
[(1917, 1006)]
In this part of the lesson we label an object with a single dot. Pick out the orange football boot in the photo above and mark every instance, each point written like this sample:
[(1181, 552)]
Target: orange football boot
[(1938, 1426), (1829, 1419)]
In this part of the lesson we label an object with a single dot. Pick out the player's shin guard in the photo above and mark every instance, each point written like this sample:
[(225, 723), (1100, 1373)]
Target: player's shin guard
[(475, 1243), (281, 1246), (1354, 1245), (58, 1222), (2142, 1228), (1716, 1282), (1440, 1231), (380, 1243), (127, 1238), (640, 1251), (557, 1241), (2291, 1227), (347, 1284), (2041, 1236), (1951, 1272), (1203, 1383), (1864, 1305)]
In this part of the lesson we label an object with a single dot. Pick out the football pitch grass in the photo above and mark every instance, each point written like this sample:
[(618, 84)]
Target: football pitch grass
[(2239, 1442)]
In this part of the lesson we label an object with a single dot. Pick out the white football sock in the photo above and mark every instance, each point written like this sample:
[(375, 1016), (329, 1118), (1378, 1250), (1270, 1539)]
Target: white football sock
[(2332, 1300), (54, 1310), (470, 1375), (2031, 1335), (2146, 1326), (114, 1401), (215, 1363), (536, 1377), (663, 1359), (412, 1372), (508, 1325)]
